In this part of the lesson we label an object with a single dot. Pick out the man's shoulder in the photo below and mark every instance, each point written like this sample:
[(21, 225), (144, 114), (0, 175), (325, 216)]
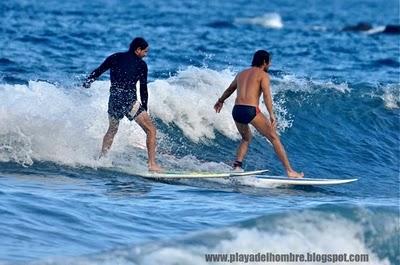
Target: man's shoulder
[(263, 75), (256, 73), (143, 64), (242, 71), (245, 70), (113, 57), (117, 54)]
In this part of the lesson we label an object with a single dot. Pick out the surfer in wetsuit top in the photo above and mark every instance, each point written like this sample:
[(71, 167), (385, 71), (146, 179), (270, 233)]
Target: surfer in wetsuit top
[(126, 69), (250, 83)]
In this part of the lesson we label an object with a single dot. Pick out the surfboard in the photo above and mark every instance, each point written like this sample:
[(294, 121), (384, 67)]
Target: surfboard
[(259, 178), (188, 174), (302, 181)]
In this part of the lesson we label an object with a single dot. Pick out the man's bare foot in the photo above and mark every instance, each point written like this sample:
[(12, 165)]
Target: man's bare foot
[(155, 168), (102, 155), (294, 174)]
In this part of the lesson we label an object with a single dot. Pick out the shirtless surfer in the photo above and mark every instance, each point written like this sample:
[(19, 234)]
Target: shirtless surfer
[(250, 84)]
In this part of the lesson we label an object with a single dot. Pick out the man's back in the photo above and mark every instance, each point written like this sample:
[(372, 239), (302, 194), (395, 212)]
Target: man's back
[(125, 70), (249, 86)]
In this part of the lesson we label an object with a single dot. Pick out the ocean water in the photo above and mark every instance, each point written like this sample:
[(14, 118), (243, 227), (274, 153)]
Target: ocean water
[(336, 96)]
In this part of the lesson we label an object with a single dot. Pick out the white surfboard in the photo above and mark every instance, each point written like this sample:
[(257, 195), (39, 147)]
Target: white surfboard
[(302, 181), (268, 180), (186, 175)]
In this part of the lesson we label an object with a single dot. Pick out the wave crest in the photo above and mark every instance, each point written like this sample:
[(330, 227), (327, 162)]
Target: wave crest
[(334, 230), (268, 20)]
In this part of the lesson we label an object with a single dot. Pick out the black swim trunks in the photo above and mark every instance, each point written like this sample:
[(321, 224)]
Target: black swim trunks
[(126, 69), (244, 113), (117, 110)]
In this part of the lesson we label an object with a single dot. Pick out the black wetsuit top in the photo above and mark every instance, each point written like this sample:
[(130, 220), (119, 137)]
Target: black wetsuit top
[(125, 70)]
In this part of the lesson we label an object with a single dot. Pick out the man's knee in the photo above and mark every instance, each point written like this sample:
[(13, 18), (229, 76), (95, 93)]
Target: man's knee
[(272, 136), (150, 130), (112, 130), (246, 138)]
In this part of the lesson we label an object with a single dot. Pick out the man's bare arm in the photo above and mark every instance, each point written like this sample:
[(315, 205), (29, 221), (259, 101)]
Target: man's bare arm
[(265, 86), (227, 93)]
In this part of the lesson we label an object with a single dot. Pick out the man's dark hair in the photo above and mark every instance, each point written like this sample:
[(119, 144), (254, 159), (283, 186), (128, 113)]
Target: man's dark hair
[(138, 43), (259, 57)]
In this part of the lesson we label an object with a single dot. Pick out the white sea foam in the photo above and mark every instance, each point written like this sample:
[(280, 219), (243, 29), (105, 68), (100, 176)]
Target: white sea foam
[(187, 100), (298, 233), (319, 28), (44, 122), (301, 84), (40, 121), (375, 30), (391, 96), (268, 20)]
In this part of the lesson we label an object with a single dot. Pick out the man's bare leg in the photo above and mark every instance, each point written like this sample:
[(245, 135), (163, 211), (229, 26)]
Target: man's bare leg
[(245, 132), (143, 119), (109, 136), (264, 126)]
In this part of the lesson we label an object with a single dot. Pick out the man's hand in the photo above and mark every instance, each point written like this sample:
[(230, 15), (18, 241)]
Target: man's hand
[(86, 84), (218, 106)]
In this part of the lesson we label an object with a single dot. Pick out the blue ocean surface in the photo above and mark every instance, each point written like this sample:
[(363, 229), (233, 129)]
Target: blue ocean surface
[(336, 96)]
